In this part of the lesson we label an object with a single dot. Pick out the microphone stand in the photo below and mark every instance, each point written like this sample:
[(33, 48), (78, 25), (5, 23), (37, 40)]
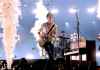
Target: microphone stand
[(78, 29), (78, 37)]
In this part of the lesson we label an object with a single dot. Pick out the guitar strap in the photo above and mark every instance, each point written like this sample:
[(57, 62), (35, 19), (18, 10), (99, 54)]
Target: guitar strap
[(50, 29)]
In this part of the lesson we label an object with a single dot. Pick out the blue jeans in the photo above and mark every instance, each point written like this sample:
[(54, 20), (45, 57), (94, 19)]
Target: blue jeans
[(49, 49)]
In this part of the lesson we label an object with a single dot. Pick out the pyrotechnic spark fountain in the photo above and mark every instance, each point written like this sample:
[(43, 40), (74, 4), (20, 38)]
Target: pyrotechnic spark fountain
[(40, 15), (10, 13)]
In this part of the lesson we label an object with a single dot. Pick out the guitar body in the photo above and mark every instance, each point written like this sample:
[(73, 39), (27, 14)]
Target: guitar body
[(41, 43)]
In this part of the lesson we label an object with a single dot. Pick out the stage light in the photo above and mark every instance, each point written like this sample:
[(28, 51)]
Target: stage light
[(91, 10), (98, 54), (84, 57), (29, 56), (54, 11), (75, 57), (98, 9), (73, 10), (67, 24), (25, 5)]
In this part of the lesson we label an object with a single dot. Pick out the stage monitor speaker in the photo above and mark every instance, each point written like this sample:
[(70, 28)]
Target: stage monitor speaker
[(91, 50)]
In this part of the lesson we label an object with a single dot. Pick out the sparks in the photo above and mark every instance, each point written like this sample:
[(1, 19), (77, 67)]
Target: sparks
[(10, 13), (40, 14)]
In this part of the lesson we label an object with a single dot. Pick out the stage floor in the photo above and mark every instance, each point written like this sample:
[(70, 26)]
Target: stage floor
[(45, 64)]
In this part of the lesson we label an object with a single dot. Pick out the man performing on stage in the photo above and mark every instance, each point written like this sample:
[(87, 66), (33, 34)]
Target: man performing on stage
[(46, 33)]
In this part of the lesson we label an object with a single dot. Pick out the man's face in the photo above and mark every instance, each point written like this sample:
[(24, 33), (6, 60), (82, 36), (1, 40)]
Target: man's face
[(50, 18)]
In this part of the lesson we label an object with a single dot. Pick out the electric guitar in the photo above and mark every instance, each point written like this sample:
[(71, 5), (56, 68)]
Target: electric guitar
[(46, 38)]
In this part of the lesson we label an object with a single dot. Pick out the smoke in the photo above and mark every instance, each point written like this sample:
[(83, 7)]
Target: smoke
[(10, 12), (40, 15), (98, 9)]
